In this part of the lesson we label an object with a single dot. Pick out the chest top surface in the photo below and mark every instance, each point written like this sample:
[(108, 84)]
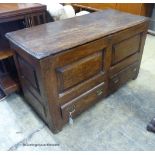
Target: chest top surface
[(15, 9), (52, 38)]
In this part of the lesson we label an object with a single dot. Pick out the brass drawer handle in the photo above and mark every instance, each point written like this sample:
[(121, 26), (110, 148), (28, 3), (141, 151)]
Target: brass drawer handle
[(115, 80), (72, 109), (135, 69), (71, 112), (99, 92)]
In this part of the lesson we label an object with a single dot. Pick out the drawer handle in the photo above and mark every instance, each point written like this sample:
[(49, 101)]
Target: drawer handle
[(99, 92), (116, 81), (70, 115), (135, 69), (71, 112)]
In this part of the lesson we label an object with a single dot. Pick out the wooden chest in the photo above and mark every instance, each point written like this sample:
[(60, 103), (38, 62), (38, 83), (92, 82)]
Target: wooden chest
[(66, 66)]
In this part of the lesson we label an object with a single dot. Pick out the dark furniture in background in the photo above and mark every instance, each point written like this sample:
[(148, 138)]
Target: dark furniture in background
[(14, 17), (66, 66), (143, 9)]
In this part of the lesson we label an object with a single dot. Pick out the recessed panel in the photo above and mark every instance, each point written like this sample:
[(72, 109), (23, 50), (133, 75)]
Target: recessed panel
[(28, 73), (79, 71), (125, 48)]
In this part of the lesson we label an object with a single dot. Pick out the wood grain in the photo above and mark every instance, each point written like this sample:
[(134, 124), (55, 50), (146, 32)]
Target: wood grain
[(78, 61), (68, 33)]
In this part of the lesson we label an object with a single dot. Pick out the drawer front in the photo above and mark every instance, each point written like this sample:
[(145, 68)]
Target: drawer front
[(80, 71), (125, 48), (84, 101), (123, 76), (81, 88), (123, 64)]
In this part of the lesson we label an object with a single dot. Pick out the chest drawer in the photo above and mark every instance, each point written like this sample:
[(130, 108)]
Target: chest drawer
[(123, 76), (82, 102)]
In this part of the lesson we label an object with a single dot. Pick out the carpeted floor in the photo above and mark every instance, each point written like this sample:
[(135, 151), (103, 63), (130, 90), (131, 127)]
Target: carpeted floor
[(116, 123)]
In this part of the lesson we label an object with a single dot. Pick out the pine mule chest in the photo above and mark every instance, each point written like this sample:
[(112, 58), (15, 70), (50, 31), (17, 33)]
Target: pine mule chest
[(66, 66)]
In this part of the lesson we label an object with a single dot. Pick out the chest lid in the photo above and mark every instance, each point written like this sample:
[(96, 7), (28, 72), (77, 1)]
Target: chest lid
[(55, 37)]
